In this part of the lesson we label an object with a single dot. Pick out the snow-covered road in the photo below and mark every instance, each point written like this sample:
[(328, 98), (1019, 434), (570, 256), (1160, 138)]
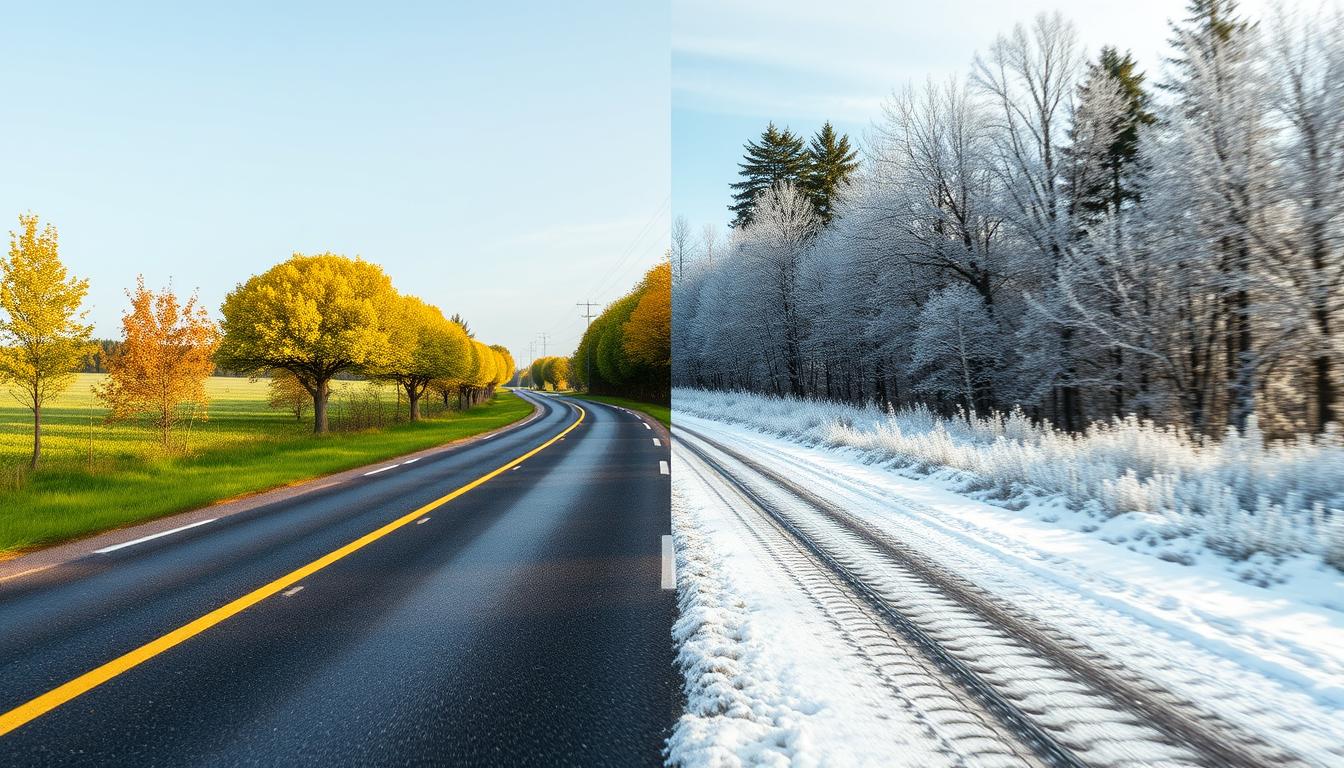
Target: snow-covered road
[(838, 613)]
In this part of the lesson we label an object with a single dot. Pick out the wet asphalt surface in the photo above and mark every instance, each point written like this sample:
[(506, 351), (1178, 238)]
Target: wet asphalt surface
[(522, 624)]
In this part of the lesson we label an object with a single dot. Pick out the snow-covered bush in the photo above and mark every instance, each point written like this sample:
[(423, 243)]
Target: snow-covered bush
[(1242, 494)]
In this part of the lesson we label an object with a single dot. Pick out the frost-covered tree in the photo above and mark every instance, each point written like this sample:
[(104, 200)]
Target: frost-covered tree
[(938, 202), (1221, 121), (954, 348), (1112, 106), (1030, 78), (773, 248), (1307, 66)]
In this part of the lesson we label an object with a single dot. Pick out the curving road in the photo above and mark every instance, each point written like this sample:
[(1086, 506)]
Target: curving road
[(519, 622)]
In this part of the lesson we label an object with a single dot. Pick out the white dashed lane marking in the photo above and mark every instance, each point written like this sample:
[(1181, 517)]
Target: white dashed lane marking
[(663, 468), (669, 579), (151, 537)]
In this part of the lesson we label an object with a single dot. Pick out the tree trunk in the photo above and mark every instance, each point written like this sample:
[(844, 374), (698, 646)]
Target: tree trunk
[(320, 408), (1241, 373), (37, 434), (1325, 387), (413, 397), (1070, 402)]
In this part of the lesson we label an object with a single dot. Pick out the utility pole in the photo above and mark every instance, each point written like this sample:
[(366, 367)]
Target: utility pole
[(544, 338), (588, 358)]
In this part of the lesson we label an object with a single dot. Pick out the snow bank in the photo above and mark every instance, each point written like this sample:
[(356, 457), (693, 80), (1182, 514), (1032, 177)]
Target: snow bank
[(738, 710), (1241, 496)]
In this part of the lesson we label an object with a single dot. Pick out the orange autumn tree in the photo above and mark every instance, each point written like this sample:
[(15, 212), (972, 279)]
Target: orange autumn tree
[(648, 332), (165, 357)]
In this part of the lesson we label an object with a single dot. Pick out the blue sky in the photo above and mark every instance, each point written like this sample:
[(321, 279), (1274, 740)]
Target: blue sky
[(498, 160), (736, 66)]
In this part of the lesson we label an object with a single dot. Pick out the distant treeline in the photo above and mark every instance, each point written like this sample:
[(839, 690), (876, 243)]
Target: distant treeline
[(627, 351)]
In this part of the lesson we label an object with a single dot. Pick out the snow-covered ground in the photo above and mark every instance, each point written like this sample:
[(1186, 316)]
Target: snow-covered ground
[(1268, 659), (773, 676)]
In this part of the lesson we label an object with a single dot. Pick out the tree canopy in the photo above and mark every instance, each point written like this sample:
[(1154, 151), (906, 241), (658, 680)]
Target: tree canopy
[(426, 346), (161, 365), (314, 316), (43, 337)]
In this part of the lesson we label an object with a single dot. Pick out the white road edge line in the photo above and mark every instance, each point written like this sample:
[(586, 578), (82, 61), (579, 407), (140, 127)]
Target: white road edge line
[(152, 536), (411, 461), (658, 442), (381, 469), (646, 425), (663, 468), (669, 580)]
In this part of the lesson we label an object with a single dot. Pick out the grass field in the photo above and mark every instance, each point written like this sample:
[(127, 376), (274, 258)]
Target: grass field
[(95, 476), (662, 413)]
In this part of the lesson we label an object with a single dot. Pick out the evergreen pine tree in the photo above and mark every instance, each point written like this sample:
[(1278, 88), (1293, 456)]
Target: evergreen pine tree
[(1205, 34), (779, 156), (1113, 187), (831, 161)]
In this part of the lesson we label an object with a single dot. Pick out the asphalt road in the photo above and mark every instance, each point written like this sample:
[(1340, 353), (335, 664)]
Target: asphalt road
[(519, 623)]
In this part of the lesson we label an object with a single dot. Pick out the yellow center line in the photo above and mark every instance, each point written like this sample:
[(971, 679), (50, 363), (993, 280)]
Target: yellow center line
[(54, 698)]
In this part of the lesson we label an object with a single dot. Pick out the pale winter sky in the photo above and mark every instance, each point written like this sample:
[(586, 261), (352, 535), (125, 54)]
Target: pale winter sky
[(736, 66), (503, 161)]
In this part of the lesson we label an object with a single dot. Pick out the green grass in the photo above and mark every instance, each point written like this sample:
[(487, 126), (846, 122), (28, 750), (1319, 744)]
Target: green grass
[(662, 413), (95, 476)]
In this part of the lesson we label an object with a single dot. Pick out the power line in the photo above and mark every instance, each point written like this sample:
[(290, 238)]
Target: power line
[(630, 250), (588, 356), (587, 310), (615, 272)]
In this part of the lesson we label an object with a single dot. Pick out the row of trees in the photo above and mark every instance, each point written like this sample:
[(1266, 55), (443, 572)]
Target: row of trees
[(1057, 234), (303, 322), (314, 318), (626, 350), (550, 371)]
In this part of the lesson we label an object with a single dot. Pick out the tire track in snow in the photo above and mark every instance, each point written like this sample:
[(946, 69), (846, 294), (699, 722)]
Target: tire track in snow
[(969, 734)]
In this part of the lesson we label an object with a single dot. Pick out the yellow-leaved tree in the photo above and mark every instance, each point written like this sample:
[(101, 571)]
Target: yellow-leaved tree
[(166, 354), (504, 367), (43, 337), (314, 316), (555, 371), (648, 332), (426, 347), (481, 382)]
